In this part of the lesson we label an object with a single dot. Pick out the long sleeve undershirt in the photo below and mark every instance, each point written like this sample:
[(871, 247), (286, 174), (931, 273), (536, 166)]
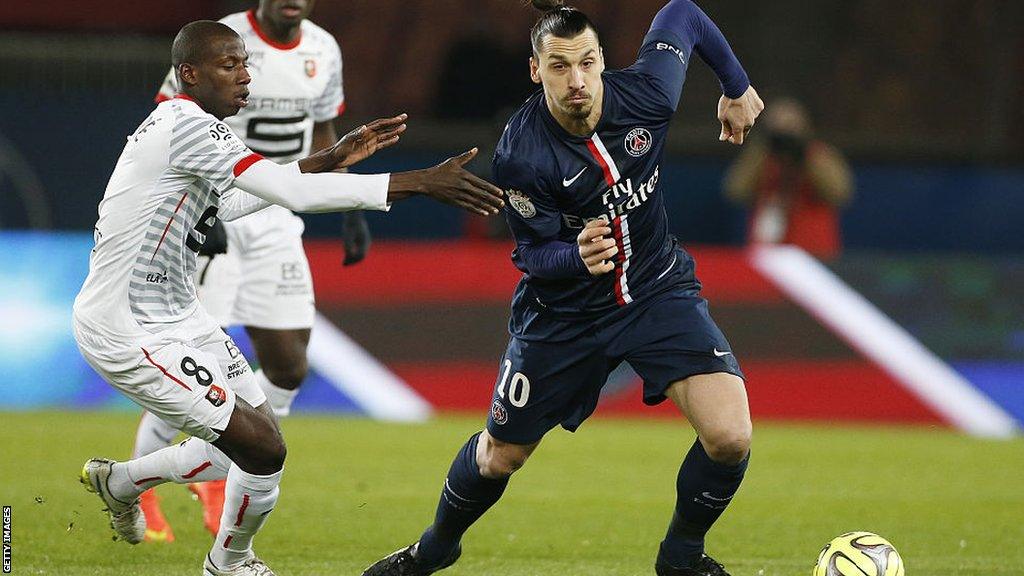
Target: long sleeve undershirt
[(553, 260), (690, 24)]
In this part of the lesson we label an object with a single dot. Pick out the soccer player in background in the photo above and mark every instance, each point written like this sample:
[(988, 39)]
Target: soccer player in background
[(138, 322), (263, 280), (604, 281)]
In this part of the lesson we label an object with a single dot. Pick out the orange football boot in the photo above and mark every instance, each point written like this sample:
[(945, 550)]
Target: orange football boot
[(211, 496), (157, 528)]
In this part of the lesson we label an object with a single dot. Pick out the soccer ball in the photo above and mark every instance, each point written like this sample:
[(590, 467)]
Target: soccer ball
[(859, 554)]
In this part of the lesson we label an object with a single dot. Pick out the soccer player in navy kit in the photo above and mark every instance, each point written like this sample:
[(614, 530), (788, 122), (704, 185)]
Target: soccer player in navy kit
[(603, 280)]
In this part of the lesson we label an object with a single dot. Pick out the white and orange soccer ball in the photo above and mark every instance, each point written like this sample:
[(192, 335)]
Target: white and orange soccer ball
[(859, 554)]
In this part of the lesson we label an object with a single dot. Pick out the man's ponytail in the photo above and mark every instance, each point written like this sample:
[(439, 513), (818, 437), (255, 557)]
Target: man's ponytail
[(547, 5)]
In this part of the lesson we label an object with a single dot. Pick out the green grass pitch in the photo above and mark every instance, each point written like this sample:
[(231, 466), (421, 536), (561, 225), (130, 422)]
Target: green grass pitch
[(592, 503)]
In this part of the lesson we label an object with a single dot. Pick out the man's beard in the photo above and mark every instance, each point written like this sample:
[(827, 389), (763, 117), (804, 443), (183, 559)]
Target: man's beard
[(579, 111)]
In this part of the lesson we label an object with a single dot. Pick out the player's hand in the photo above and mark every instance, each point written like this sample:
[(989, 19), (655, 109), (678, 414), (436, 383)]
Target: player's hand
[(355, 234), (595, 249), (450, 183), (738, 116), (363, 142)]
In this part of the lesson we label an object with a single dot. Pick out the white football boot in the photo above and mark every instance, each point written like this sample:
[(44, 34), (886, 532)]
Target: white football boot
[(251, 567), (127, 520)]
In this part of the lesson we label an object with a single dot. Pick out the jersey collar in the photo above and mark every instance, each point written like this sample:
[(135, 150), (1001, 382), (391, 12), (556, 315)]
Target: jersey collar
[(183, 96), (255, 23)]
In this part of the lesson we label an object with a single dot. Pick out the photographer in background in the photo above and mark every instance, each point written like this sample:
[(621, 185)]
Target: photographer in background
[(793, 184)]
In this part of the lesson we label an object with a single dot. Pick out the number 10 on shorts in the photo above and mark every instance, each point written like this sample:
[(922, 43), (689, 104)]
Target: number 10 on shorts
[(518, 388)]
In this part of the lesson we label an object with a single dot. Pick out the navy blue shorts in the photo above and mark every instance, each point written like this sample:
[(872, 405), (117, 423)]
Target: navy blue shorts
[(543, 384)]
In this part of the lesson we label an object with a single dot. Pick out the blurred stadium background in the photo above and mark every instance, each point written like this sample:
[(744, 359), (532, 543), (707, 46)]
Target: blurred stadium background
[(922, 97), (919, 321)]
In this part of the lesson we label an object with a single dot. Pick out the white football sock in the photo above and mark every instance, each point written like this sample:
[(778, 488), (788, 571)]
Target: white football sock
[(248, 500), (279, 398), (190, 461), (152, 435)]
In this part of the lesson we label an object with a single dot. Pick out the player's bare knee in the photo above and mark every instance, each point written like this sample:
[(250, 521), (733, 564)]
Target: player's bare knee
[(253, 441), (500, 459), (268, 455), (289, 376), (728, 446), (502, 465), (276, 452), (272, 449)]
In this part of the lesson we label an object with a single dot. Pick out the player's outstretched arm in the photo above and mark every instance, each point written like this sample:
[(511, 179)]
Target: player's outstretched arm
[(356, 146), (681, 27), (449, 183), (288, 186)]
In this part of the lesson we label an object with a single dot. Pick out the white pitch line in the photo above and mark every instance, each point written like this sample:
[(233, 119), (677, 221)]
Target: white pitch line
[(358, 375), (874, 334)]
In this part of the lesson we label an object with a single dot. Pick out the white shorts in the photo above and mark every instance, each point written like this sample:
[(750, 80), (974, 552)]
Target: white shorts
[(189, 382), (264, 279)]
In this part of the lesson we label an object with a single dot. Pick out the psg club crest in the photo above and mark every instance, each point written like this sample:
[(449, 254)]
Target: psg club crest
[(638, 142), (216, 395), (311, 68), (522, 203), (498, 413)]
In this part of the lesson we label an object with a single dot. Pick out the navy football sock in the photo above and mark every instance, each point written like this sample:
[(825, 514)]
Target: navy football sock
[(464, 499), (703, 490)]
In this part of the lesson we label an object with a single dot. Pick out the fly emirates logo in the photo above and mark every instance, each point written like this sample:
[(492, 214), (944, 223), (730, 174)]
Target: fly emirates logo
[(622, 198)]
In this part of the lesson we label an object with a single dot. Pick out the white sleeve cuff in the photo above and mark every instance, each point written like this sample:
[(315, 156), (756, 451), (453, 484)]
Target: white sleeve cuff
[(328, 192)]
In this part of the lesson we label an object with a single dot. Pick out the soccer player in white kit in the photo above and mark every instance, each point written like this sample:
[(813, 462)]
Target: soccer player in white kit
[(138, 322), (263, 281)]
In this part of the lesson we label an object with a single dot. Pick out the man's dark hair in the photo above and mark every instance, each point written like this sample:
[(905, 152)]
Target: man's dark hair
[(558, 19), (194, 39)]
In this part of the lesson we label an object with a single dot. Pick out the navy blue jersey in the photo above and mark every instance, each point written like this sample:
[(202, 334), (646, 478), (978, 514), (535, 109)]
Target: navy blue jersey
[(556, 182)]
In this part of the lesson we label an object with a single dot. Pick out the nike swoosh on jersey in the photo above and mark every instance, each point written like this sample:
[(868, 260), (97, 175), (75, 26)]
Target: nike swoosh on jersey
[(720, 354), (567, 183)]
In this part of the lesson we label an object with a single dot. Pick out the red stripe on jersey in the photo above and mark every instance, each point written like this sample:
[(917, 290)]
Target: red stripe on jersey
[(227, 540), (255, 23), (241, 511), (160, 97), (164, 370), (341, 109), (600, 160), (197, 470), (244, 163), (617, 230), (168, 227), (145, 480)]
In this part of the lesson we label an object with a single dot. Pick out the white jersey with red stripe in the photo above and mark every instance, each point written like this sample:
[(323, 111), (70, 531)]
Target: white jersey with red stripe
[(294, 86), (163, 195)]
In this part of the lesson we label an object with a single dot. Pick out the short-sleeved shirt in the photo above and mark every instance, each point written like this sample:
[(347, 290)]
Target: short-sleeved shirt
[(162, 196), (556, 182)]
